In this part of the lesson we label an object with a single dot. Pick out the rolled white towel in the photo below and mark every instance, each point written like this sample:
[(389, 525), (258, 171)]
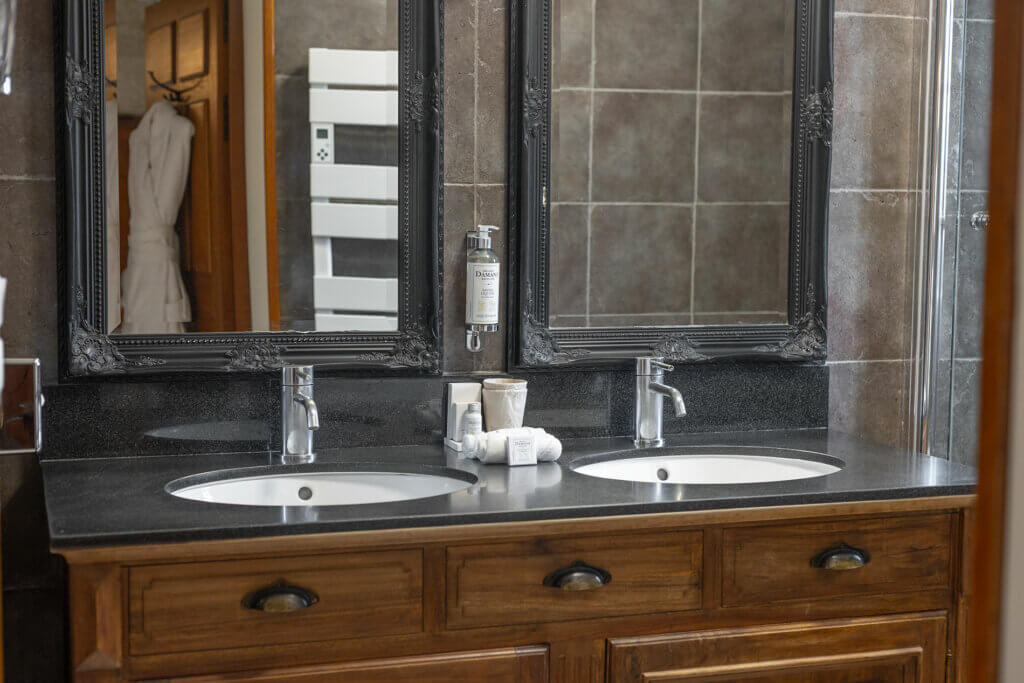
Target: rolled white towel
[(490, 447)]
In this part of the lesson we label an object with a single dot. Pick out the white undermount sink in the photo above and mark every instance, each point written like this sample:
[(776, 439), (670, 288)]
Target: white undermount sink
[(711, 466), (319, 487)]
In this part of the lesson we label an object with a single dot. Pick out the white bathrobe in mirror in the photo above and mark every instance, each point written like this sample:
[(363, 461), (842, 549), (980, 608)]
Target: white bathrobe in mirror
[(152, 291)]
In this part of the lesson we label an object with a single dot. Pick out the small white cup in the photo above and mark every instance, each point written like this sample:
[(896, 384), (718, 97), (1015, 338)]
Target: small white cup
[(504, 403)]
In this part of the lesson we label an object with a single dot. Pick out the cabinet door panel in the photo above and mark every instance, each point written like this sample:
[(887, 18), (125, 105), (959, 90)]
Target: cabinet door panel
[(899, 649), (899, 666), (509, 665)]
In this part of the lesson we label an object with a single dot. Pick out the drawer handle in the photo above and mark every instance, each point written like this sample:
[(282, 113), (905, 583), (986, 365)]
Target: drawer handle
[(841, 557), (281, 597), (578, 576)]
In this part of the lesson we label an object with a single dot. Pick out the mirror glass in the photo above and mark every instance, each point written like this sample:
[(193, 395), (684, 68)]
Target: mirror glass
[(670, 162), (202, 110)]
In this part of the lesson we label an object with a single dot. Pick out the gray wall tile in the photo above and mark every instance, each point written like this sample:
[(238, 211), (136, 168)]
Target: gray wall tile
[(354, 24), (981, 9), (868, 274), (492, 93), (977, 105), (877, 63), (640, 320), (459, 217), (646, 44), (648, 246), (970, 278), (571, 43), (295, 263), (753, 128), (741, 258), (570, 145), (746, 45), (965, 411), (459, 90), (902, 8), (650, 160), (867, 400), (569, 226), (29, 251)]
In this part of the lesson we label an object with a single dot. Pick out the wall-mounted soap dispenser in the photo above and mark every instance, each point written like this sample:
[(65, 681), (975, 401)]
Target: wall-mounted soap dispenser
[(483, 286)]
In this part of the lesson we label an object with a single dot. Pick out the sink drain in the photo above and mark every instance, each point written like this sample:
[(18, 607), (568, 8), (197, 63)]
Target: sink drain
[(305, 493), (662, 474)]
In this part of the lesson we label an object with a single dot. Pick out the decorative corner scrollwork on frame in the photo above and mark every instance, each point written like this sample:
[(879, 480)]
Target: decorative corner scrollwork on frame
[(539, 346), (679, 348), (807, 337), (81, 91), (254, 356), (816, 114), (412, 349), (94, 353)]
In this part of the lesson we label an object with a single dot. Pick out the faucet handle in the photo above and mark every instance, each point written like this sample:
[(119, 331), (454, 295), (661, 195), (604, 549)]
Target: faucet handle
[(652, 365)]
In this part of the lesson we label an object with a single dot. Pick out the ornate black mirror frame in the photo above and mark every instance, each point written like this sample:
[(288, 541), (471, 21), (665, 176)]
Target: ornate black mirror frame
[(534, 344), (86, 350)]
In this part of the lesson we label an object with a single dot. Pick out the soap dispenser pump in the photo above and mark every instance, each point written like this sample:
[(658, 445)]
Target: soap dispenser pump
[(483, 285)]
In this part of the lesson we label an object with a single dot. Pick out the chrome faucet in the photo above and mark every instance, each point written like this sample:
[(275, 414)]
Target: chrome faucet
[(299, 415), (650, 391)]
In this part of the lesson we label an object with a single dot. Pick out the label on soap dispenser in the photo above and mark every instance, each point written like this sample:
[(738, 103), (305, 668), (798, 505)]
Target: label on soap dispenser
[(482, 287)]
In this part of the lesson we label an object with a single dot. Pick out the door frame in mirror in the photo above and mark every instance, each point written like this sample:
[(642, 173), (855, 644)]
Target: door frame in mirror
[(533, 343), (84, 347)]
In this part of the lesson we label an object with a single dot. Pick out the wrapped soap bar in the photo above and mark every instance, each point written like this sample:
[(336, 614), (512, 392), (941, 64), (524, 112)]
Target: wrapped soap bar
[(492, 447)]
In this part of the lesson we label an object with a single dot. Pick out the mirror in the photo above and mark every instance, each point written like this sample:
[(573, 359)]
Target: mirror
[(190, 244), (673, 178), (267, 167), (670, 146)]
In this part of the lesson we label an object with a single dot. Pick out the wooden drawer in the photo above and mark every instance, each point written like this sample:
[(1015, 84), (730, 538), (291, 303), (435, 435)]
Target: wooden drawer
[(185, 607), (499, 584), (765, 564)]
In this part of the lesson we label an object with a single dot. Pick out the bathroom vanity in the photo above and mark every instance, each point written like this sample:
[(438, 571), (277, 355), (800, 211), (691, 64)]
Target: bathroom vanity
[(531, 574), (582, 570)]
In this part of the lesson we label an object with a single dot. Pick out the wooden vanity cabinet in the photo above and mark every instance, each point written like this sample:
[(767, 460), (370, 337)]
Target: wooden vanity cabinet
[(818, 594)]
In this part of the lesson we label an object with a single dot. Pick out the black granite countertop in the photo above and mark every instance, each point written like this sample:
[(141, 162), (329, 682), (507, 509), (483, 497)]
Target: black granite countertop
[(122, 501)]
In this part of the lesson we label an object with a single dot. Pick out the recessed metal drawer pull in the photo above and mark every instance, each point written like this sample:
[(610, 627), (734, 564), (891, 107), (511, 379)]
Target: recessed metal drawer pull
[(840, 558), (578, 576), (281, 597)]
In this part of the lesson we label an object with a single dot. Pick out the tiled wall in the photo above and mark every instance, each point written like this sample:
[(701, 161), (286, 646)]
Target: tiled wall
[(298, 26), (959, 374), (653, 103), (880, 52)]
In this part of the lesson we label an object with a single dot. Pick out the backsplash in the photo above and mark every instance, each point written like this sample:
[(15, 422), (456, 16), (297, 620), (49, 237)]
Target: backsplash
[(120, 418)]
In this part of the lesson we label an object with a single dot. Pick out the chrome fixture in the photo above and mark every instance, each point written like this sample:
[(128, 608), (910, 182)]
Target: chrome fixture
[(980, 220), (650, 391), (299, 415)]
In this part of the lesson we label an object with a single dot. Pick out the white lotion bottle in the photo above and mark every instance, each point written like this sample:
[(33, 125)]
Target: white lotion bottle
[(483, 286)]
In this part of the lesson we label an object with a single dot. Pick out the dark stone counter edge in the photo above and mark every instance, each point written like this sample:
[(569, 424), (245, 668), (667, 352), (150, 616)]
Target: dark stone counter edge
[(457, 519)]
